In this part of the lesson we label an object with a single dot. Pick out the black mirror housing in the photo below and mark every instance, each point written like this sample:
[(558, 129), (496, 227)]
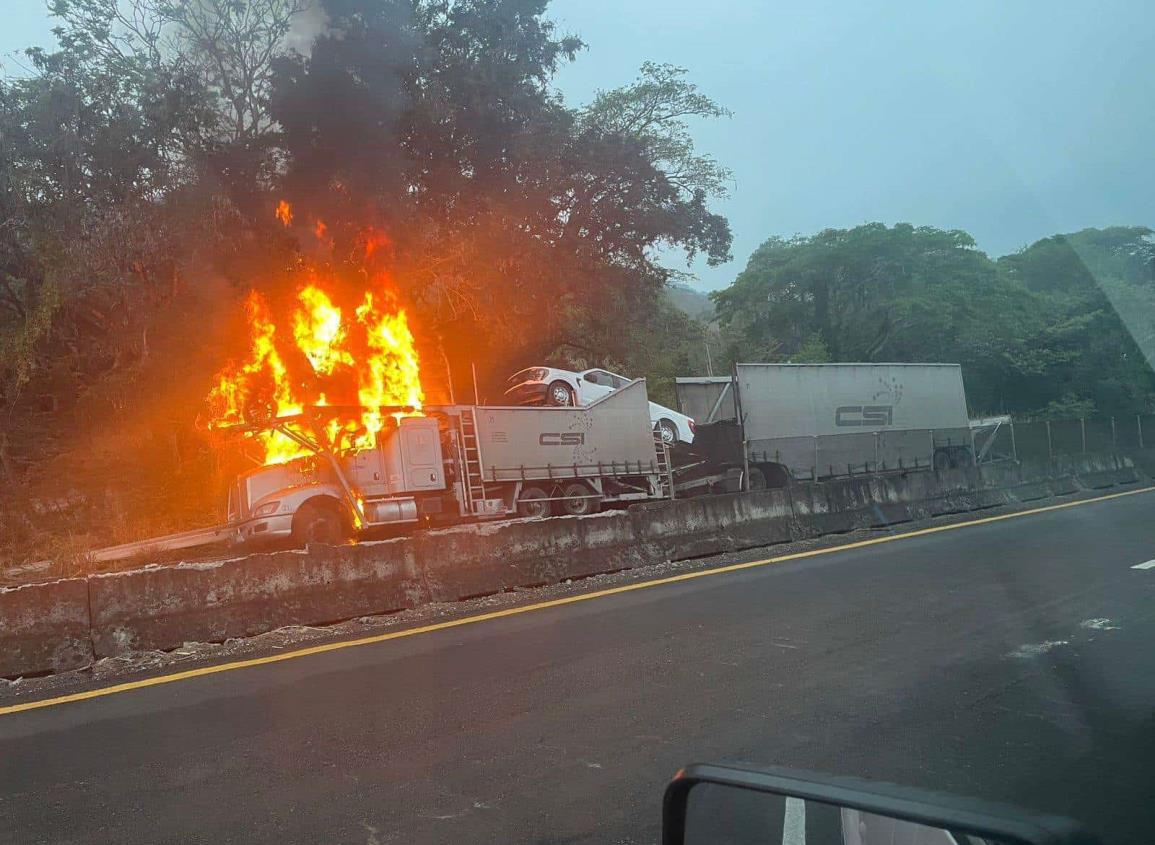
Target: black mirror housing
[(990, 822)]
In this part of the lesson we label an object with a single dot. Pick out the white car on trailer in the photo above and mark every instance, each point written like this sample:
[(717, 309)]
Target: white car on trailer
[(551, 386)]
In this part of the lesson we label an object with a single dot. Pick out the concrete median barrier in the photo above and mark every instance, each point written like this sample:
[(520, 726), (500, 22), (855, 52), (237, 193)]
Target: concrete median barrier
[(870, 502), (949, 491), (814, 515), (476, 560), (1031, 491), (44, 628), (707, 525), (64, 624), (1143, 462), (1102, 479), (163, 607)]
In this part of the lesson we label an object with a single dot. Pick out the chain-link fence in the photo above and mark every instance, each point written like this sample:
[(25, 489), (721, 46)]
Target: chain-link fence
[(987, 441), (1048, 438)]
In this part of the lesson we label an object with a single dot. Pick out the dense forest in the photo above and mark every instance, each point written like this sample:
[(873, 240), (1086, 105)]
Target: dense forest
[(143, 159), (1062, 328)]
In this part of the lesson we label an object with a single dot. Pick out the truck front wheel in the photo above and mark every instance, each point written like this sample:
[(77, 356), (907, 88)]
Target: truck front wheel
[(317, 522)]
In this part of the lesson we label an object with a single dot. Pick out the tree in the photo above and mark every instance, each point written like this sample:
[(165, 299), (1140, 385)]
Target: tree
[(512, 216), (869, 293), (652, 112), (89, 143), (232, 45), (1095, 294), (1064, 324)]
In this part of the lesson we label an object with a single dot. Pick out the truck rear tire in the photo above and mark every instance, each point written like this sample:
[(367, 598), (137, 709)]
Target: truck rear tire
[(534, 502), (757, 479), (320, 522), (578, 501)]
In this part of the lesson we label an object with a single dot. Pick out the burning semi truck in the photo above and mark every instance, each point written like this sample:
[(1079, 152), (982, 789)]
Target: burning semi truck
[(330, 403), (454, 463)]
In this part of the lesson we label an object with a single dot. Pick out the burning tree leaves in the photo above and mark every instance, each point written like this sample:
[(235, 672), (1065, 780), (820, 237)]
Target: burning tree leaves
[(340, 342)]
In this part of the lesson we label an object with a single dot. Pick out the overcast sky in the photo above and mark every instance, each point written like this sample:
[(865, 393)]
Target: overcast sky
[(1011, 119)]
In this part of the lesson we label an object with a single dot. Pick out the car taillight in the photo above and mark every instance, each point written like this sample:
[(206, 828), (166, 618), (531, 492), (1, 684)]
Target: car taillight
[(693, 428)]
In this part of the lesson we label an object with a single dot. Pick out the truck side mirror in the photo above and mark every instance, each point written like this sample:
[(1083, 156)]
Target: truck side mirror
[(728, 805)]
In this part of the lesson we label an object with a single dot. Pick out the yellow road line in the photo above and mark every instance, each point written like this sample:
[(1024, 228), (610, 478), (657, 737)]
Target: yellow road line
[(514, 611)]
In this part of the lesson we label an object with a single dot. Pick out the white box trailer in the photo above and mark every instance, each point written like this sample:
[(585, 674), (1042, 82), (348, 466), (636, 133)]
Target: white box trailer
[(821, 420)]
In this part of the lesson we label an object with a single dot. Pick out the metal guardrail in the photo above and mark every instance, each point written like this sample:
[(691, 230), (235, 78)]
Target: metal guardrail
[(169, 542)]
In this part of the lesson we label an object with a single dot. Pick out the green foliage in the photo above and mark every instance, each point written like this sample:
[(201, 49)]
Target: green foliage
[(140, 163), (812, 351), (512, 215), (1067, 407), (1066, 323), (694, 303), (652, 113)]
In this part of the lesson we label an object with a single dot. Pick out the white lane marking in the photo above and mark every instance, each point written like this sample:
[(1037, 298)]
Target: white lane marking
[(794, 822), (1098, 625), (1035, 649), (1148, 565)]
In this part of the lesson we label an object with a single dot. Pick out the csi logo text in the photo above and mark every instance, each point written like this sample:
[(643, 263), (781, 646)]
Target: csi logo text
[(565, 438), (860, 415)]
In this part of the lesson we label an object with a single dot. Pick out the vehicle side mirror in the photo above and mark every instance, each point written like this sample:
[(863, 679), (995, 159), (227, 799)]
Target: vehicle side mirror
[(725, 805)]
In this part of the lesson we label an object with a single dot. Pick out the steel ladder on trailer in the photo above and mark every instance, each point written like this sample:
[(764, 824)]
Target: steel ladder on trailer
[(471, 452), (665, 473)]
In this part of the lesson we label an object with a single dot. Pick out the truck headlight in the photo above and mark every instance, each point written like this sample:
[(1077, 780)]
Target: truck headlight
[(267, 509)]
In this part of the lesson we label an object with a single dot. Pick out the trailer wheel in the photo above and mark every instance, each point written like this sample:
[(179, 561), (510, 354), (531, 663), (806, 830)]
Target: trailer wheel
[(577, 500), (319, 522), (533, 502), (668, 431), (559, 393)]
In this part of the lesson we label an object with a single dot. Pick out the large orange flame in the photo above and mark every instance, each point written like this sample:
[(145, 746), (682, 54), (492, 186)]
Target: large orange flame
[(321, 354)]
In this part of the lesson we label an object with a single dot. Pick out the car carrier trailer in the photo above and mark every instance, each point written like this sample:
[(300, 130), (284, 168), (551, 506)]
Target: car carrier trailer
[(450, 464), (457, 463)]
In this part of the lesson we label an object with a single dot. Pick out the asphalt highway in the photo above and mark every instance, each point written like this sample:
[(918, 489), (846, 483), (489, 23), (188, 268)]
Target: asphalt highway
[(1013, 660)]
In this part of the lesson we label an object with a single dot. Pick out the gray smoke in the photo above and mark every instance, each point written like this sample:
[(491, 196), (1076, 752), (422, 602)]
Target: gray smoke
[(306, 26)]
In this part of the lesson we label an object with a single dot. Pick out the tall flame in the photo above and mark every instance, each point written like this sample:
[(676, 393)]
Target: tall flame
[(284, 213), (321, 354)]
